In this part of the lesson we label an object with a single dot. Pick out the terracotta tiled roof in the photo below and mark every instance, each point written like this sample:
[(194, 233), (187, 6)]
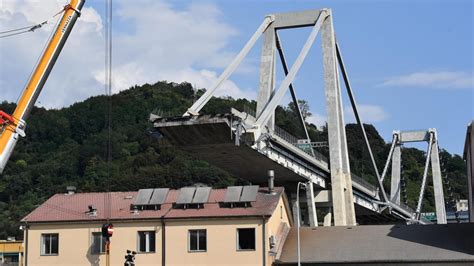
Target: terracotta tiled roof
[(74, 207)]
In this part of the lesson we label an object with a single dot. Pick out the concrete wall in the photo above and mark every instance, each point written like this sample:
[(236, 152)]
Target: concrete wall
[(468, 156), (280, 215)]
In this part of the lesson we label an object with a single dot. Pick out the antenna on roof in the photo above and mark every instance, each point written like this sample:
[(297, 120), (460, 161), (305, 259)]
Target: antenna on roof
[(92, 211)]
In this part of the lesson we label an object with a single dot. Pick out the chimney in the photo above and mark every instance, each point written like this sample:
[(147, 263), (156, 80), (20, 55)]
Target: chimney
[(271, 182), (71, 190)]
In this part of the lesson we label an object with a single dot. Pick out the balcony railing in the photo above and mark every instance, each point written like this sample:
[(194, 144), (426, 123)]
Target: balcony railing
[(9, 264)]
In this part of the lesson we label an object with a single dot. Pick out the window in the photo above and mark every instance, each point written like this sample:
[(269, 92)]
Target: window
[(246, 239), (49, 244), (197, 240), (146, 241), (98, 243)]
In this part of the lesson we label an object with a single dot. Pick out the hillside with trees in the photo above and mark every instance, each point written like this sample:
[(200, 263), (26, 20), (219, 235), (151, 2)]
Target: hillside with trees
[(68, 147)]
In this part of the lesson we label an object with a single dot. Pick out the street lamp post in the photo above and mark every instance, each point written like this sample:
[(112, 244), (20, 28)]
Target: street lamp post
[(298, 223)]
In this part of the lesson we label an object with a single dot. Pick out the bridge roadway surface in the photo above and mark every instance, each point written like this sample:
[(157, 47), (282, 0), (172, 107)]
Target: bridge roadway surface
[(212, 139)]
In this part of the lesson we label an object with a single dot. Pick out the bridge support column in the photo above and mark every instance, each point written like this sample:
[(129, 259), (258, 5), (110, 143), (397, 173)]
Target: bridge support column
[(437, 184), (342, 199), (294, 208), (396, 175), (312, 215), (267, 72), (328, 218)]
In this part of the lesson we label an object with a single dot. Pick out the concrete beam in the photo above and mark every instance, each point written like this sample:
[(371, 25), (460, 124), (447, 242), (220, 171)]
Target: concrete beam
[(414, 136), (296, 19), (323, 196)]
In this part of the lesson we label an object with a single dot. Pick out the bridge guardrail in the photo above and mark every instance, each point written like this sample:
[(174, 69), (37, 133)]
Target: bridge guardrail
[(294, 141), (363, 182)]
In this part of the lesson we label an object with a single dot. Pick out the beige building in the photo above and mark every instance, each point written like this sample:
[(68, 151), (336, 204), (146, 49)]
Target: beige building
[(192, 226), (11, 252)]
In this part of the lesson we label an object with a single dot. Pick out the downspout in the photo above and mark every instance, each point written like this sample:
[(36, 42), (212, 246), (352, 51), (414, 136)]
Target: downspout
[(163, 241), (264, 241), (26, 244)]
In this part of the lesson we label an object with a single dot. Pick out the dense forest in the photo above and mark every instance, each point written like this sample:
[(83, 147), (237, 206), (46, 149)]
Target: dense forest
[(69, 147)]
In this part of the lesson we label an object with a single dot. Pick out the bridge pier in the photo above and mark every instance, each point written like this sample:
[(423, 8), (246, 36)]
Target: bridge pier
[(396, 175), (312, 215), (267, 72), (437, 184), (343, 203), (431, 137), (328, 218), (294, 208)]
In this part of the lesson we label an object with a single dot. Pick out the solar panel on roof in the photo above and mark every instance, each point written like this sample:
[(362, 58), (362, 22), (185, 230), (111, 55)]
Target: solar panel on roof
[(233, 194), (186, 195), (159, 196), (202, 195), (144, 196), (249, 194)]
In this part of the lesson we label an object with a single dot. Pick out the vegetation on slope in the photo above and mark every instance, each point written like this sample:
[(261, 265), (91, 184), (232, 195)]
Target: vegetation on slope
[(68, 147)]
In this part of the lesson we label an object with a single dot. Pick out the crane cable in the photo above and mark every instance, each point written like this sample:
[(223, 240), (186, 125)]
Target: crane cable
[(18, 31), (108, 92), (56, 24), (31, 28)]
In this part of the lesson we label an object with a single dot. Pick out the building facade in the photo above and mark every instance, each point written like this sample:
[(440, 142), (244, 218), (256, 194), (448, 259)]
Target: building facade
[(11, 253), (66, 229), (469, 157)]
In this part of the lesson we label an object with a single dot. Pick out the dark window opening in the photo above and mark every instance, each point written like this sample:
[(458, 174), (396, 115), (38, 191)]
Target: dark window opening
[(98, 243), (243, 204), (49, 244), (188, 206), (197, 240), (246, 239), (146, 241), (149, 207)]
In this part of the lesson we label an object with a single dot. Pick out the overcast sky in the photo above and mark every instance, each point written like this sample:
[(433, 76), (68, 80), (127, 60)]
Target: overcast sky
[(411, 63)]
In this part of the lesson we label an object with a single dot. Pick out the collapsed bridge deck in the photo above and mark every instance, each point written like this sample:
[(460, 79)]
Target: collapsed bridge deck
[(214, 139)]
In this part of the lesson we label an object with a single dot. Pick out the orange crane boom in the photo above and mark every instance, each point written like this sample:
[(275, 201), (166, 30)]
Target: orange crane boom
[(13, 126)]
